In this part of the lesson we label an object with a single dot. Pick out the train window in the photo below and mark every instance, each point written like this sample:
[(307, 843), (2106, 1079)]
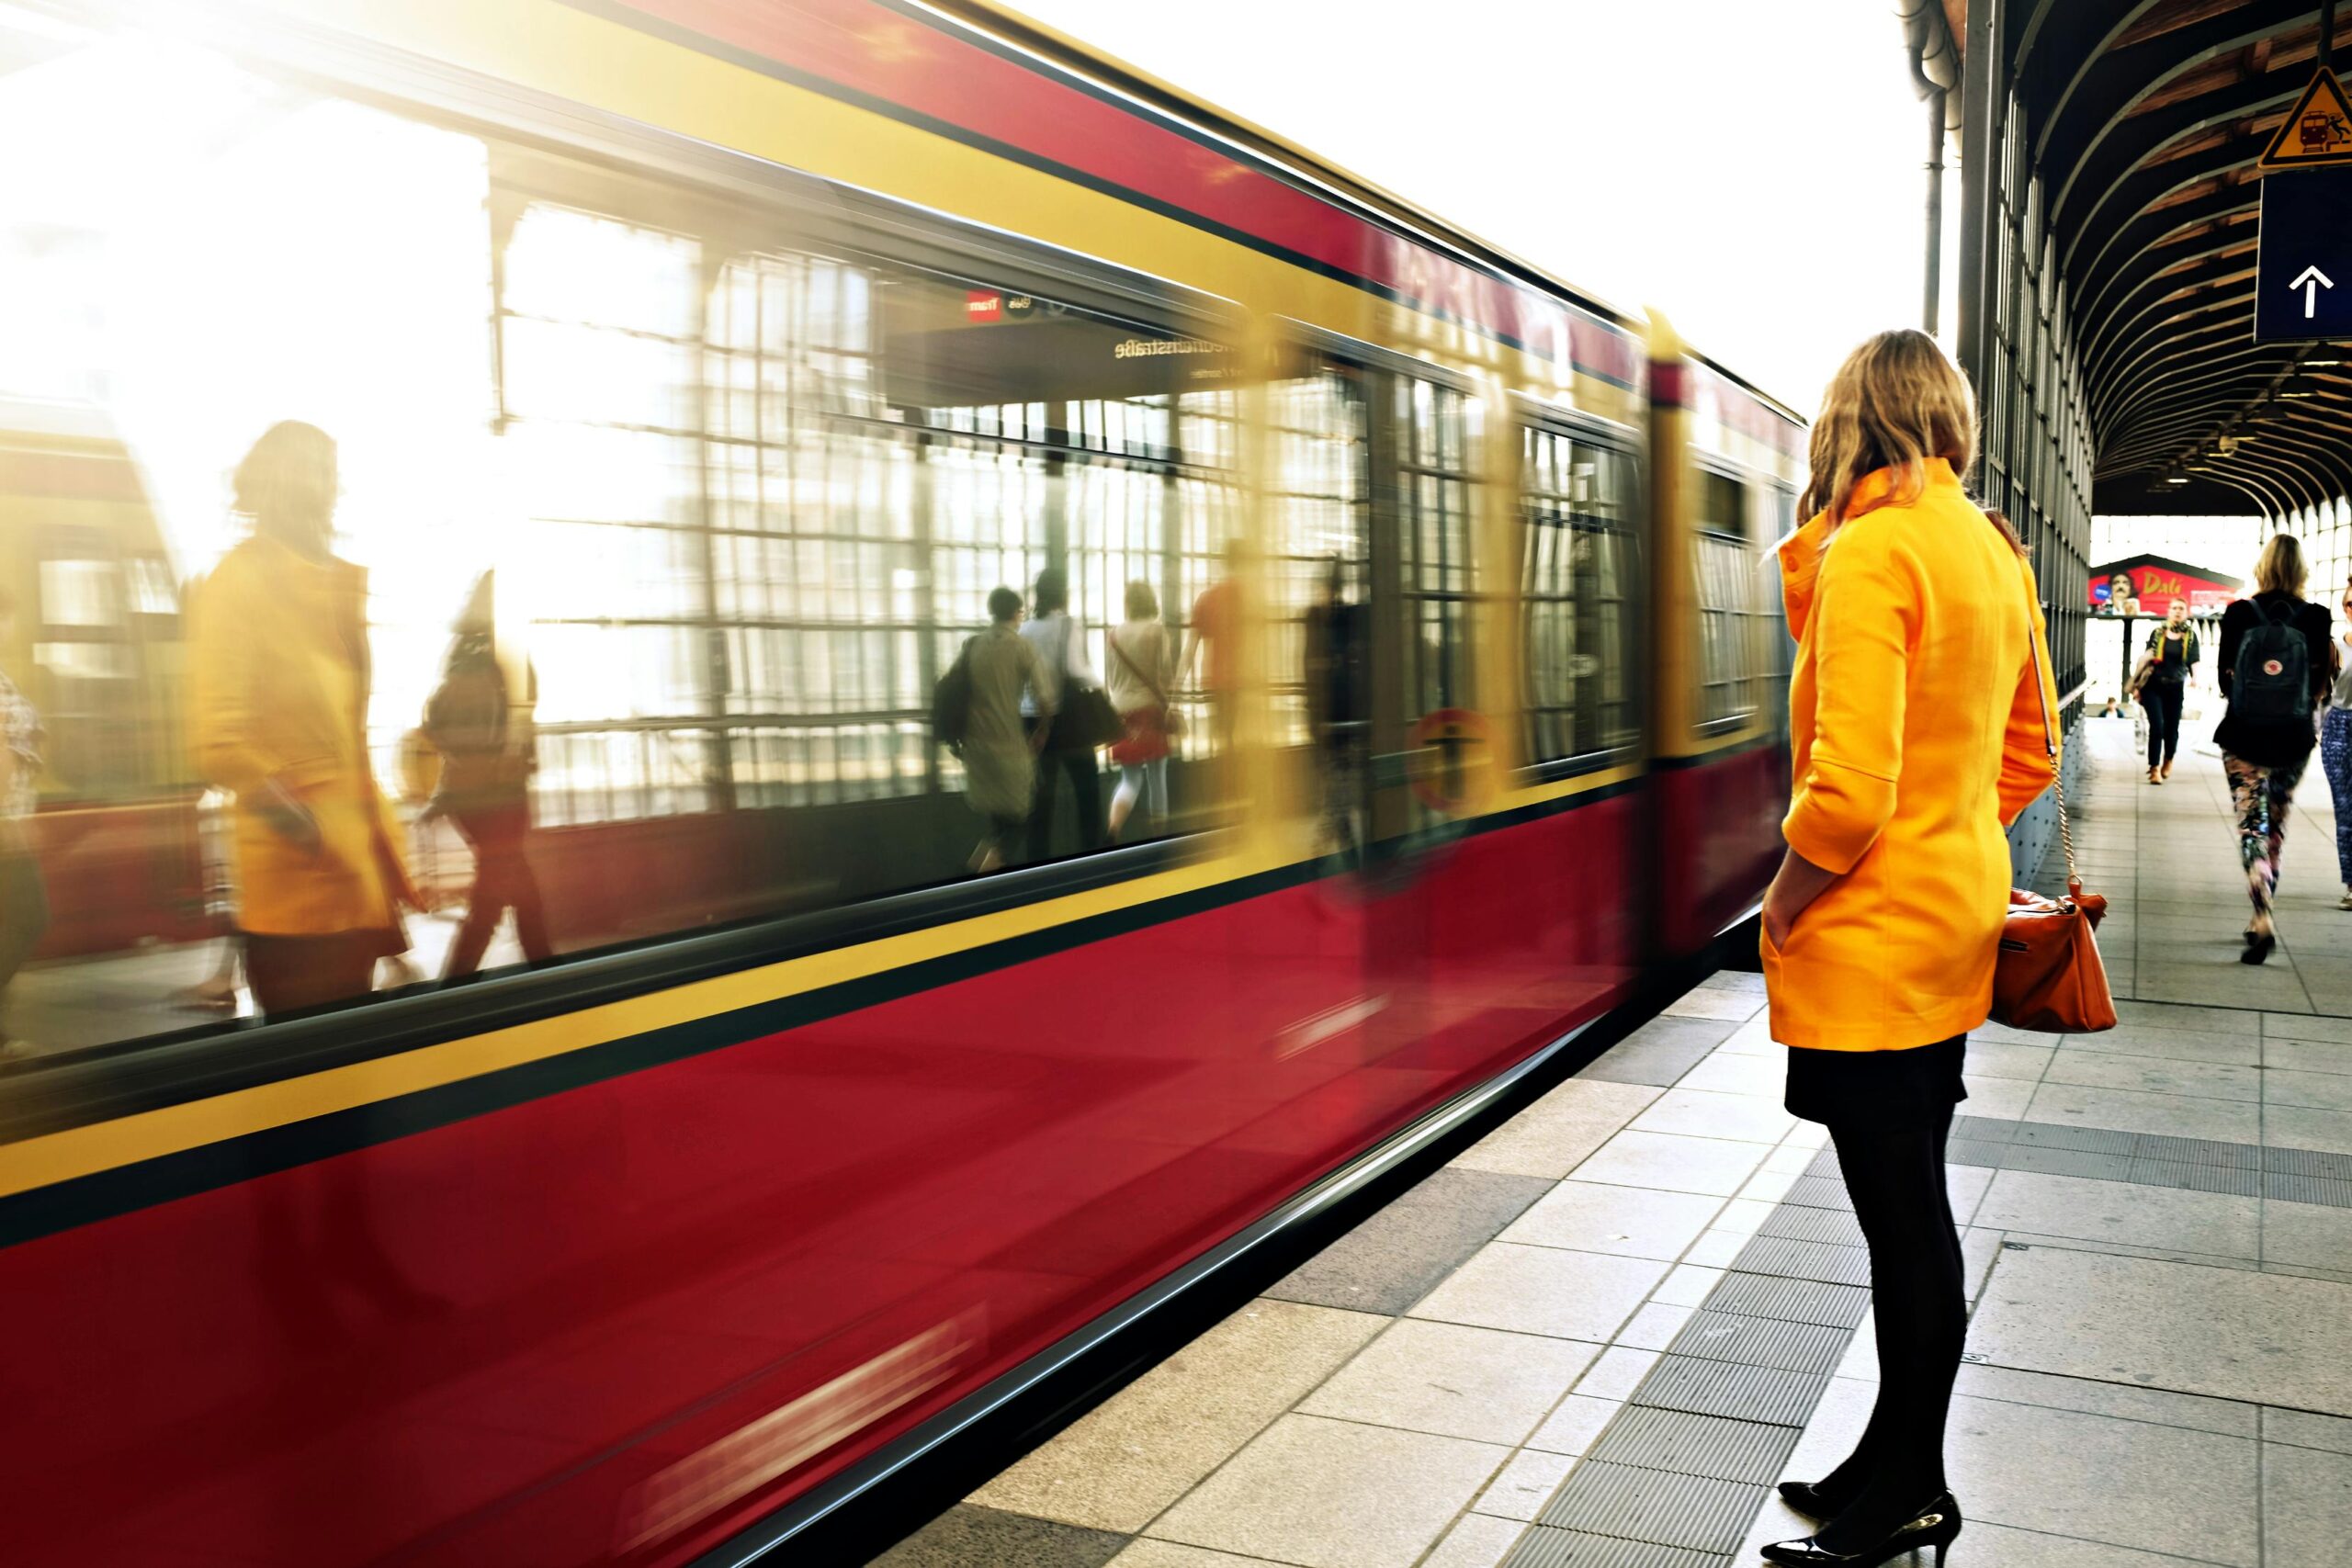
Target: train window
[(1320, 517), (1734, 655), (1577, 585), (1436, 434)]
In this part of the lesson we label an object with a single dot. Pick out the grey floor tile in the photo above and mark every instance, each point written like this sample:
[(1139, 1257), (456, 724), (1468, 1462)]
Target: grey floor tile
[(2128, 1402), (1145, 1553), (2155, 1075), (1525, 1485), (1333, 1495), (2122, 1483), (1671, 1163), (2196, 1177), (2124, 1211), (2129, 1319), (1733, 1006), (2306, 1234), (2306, 1506), (1122, 1461), (1985, 1545), (2050, 1161), (970, 1536), (1660, 1052), (2309, 1056), (1454, 1381), (1711, 1114), (2003, 1060), (2325, 1091), (2066, 1135), (2303, 1127), (1550, 1137), (2304, 1026), (2242, 1050), (1477, 1540), (1398, 1256), (2197, 1151), (1545, 1546), (1592, 1216), (1543, 1290), (2179, 1116), (2302, 1429)]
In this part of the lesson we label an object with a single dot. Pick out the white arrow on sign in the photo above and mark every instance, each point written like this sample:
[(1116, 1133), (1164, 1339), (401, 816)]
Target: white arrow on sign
[(2311, 281)]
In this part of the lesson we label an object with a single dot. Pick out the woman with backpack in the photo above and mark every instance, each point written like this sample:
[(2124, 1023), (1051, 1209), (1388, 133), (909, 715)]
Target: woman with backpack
[(481, 723), (2277, 661)]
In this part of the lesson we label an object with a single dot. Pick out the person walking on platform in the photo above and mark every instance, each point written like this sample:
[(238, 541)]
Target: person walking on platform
[(2277, 663), (1916, 716), (1059, 639), (2170, 664), (479, 719), (1142, 670), (279, 681), (2335, 757), (999, 753)]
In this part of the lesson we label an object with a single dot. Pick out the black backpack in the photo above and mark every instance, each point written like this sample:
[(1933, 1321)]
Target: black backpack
[(2272, 677), (951, 702)]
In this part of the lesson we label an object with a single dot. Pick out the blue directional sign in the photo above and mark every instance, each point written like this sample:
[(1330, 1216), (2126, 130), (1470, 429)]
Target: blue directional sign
[(2303, 271)]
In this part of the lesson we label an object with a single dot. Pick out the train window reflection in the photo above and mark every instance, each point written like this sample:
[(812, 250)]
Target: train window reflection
[(670, 525), (1734, 654)]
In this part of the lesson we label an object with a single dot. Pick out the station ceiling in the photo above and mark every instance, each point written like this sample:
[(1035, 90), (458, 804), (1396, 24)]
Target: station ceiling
[(2145, 119)]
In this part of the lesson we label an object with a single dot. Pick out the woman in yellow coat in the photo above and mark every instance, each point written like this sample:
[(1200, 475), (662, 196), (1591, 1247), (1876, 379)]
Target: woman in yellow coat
[(1915, 717), (278, 681)]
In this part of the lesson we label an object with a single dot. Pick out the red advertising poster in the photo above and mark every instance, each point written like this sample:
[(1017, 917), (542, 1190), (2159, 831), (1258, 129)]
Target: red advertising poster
[(2147, 585)]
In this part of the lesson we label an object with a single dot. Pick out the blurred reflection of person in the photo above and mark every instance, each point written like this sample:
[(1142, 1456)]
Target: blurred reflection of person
[(1212, 641), (1334, 680), (481, 727), (1059, 639), (24, 901), (1138, 676), (278, 680), (1000, 753)]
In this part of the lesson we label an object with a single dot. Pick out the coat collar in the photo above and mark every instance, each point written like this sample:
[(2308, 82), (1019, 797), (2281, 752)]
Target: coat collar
[(1801, 552)]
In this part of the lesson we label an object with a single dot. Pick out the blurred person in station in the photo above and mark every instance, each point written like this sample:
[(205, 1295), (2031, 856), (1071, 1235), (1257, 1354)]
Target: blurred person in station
[(1055, 707), (1335, 679), (1212, 646), (1000, 668), (1917, 710), (2278, 662), (2336, 754), (1142, 670), (479, 721), (2170, 667), (278, 682), (24, 898)]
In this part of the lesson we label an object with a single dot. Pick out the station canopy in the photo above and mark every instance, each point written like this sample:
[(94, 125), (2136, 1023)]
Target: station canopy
[(2146, 121)]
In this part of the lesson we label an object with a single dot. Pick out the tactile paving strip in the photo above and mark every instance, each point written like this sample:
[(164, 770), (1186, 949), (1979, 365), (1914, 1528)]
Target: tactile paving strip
[(1710, 1446), (1818, 1192), (1837, 1226), (1761, 1342), (2195, 1178), (2094, 1163), (1694, 1512), (1790, 1301), (1547, 1547), (1806, 1260), (1727, 1388)]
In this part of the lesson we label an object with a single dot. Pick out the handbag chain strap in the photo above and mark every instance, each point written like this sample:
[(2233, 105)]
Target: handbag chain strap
[(2050, 742)]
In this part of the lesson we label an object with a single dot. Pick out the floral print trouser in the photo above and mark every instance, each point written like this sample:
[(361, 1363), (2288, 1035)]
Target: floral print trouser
[(2261, 795)]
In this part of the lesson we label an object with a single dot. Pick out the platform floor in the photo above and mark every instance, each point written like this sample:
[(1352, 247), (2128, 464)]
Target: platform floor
[(1595, 1339)]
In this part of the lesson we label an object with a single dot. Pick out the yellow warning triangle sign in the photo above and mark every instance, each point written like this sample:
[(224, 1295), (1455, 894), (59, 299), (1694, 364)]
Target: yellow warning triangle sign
[(2318, 129)]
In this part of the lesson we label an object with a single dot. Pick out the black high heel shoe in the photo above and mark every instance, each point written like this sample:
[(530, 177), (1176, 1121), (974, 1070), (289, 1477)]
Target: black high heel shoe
[(1937, 1525), (1814, 1500)]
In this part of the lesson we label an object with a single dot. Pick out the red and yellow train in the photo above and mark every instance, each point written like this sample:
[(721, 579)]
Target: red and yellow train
[(766, 340)]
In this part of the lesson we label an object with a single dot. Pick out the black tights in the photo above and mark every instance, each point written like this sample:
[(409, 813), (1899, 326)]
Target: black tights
[(1896, 1176)]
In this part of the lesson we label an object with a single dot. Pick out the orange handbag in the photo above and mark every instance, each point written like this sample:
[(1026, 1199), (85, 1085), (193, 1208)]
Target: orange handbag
[(2048, 976)]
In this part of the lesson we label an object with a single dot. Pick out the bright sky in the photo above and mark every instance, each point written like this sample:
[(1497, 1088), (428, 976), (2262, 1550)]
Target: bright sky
[(1753, 171)]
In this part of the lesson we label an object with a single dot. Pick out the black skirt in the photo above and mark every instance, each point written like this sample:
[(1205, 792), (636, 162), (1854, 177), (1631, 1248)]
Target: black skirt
[(1879, 1087)]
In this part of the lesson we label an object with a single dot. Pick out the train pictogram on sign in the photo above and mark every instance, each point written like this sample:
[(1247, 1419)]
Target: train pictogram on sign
[(2317, 132)]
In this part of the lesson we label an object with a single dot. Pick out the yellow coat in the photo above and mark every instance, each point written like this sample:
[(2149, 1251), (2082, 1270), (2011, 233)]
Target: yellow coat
[(278, 650), (1917, 741)]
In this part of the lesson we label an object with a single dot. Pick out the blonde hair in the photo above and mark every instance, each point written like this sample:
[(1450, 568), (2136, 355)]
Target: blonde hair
[(2280, 568), (1894, 404), (289, 477)]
